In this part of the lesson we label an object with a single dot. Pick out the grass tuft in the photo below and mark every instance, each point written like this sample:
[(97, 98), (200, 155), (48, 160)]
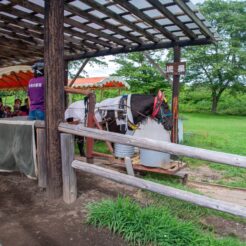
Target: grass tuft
[(150, 225)]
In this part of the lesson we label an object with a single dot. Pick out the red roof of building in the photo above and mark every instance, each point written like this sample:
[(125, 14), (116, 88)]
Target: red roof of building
[(101, 82), (15, 77)]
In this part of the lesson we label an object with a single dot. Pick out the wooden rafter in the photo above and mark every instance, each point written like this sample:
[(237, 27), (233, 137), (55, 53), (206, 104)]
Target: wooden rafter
[(119, 26)]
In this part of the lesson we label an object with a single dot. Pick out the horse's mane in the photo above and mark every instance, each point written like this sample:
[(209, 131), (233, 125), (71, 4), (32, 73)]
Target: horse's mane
[(141, 105)]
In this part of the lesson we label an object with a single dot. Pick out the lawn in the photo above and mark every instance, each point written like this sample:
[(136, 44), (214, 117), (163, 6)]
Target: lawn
[(217, 132)]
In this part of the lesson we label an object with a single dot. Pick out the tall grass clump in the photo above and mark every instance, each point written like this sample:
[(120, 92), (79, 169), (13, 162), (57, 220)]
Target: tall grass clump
[(149, 225)]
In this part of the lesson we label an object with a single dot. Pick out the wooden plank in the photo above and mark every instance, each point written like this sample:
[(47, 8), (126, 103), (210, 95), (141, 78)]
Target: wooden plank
[(161, 146), (173, 18), (120, 19), (196, 20), (161, 189), (68, 173), (41, 158), (129, 168), (79, 71), (54, 77), (133, 10), (83, 14), (77, 91), (143, 47)]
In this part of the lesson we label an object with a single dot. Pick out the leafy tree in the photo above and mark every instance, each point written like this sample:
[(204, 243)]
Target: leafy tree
[(142, 75), (221, 65)]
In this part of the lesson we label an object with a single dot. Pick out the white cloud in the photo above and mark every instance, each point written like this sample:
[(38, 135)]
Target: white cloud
[(101, 71)]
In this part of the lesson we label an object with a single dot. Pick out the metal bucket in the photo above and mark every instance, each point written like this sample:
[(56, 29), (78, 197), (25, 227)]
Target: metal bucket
[(122, 151)]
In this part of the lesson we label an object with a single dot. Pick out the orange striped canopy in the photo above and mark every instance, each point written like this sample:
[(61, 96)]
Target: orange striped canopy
[(15, 77), (101, 83)]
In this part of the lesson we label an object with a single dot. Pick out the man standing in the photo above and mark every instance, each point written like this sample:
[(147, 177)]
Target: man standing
[(36, 91)]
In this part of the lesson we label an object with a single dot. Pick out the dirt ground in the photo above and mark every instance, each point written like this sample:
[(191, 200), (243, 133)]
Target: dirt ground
[(28, 218), (205, 178)]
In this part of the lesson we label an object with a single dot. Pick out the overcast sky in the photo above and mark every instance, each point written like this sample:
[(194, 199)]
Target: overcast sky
[(98, 71)]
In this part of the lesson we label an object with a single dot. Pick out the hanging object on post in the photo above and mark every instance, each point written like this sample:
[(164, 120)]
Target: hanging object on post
[(175, 68)]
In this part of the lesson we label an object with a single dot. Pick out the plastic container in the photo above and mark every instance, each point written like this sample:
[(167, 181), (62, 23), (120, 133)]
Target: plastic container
[(151, 129)]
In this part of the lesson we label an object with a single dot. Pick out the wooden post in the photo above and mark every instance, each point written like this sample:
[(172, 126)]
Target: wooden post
[(68, 173), (175, 97), (41, 157), (90, 123), (129, 168), (54, 76), (66, 95)]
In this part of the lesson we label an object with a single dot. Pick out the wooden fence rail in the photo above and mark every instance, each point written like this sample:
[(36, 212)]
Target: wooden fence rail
[(176, 149), (161, 189)]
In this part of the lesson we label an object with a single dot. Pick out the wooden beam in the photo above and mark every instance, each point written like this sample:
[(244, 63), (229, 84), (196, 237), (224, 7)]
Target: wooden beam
[(38, 9), (117, 17), (79, 71), (54, 76), (197, 21), (77, 91), (161, 146), (173, 18), (93, 19), (175, 96), (133, 10), (164, 190), (90, 123), (114, 51)]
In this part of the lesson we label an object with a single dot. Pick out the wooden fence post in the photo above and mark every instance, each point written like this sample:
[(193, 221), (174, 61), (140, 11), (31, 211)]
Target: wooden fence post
[(41, 158), (68, 173), (129, 168), (90, 123)]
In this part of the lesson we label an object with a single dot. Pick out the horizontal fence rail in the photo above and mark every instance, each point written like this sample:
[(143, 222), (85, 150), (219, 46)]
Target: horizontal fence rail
[(176, 149), (161, 189)]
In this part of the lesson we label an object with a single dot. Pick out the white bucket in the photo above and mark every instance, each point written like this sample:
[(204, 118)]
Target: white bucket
[(151, 129)]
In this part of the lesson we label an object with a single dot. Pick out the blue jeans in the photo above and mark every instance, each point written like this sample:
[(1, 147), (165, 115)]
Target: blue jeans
[(36, 115)]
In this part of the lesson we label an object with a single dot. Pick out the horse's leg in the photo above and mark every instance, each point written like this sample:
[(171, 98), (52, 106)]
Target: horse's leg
[(80, 142)]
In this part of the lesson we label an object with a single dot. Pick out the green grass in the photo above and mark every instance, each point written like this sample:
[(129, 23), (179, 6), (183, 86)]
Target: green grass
[(217, 132), (151, 225), (221, 133)]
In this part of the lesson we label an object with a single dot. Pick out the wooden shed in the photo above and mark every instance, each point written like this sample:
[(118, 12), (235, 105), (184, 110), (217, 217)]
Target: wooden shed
[(61, 31)]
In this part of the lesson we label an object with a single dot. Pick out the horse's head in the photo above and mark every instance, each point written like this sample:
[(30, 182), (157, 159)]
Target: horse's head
[(161, 111), (157, 107)]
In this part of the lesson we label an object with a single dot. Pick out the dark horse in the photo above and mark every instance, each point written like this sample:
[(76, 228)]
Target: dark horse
[(140, 106)]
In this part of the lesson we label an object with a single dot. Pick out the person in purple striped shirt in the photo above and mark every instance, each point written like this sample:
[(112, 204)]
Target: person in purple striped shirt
[(36, 91)]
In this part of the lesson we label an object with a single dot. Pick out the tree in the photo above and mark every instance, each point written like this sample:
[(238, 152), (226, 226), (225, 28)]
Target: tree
[(141, 73), (221, 65)]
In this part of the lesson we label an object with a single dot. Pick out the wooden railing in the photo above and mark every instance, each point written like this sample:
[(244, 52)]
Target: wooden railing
[(69, 165), (176, 149)]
